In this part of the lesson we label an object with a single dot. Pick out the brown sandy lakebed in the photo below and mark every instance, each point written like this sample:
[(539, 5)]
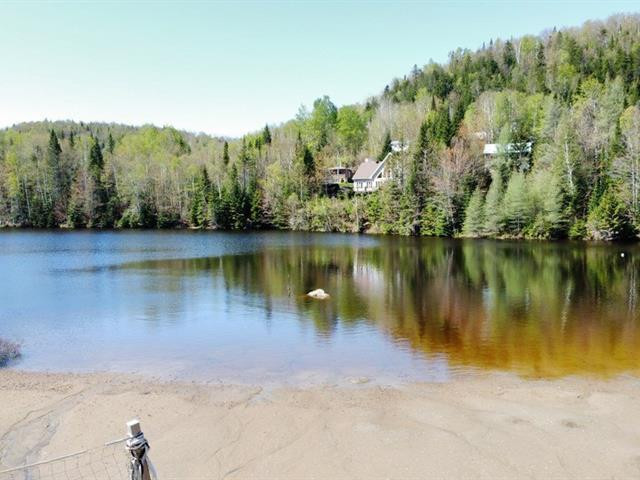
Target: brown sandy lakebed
[(489, 426)]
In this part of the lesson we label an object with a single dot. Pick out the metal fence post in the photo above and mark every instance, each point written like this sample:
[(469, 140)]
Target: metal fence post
[(140, 467)]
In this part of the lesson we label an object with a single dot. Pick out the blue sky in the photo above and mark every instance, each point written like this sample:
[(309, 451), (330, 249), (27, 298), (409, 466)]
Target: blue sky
[(230, 67)]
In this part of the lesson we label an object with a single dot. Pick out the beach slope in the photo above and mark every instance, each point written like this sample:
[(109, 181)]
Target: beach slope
[(492, 426)]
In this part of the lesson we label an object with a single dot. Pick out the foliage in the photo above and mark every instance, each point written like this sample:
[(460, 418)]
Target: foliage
[(609, 220), (572, 94), (8, 351), (474, 215)]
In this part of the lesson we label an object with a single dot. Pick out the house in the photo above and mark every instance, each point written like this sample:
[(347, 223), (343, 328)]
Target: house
[(336, 175), (370, 175), (398, 146), (493, 149)]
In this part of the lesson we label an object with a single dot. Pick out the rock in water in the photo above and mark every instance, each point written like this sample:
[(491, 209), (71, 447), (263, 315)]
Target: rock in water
[(318, 293)]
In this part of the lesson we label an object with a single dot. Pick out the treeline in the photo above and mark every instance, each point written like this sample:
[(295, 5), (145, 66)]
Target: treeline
[(572, 93)]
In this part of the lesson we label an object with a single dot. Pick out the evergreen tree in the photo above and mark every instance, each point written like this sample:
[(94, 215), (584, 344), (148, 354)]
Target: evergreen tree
[(201, 200), (56, 201), (113, 207), (441, 129), (255, 210), (540, 69), (97, 206), (225, 153), (616, 146), (434, 222), (54, 152), (417, 184), (76, 216), (474, 218), (493, 204), (516, 207), (308, 162), (266, 135), (548, 205), (305, 164), (229, 211), (111, 143), (386, 147), (247, 163), (509, 56), (236, 201), (609, 220), (96, 160)]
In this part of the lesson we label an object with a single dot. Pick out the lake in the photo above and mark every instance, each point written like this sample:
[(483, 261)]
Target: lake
[(213, 306)]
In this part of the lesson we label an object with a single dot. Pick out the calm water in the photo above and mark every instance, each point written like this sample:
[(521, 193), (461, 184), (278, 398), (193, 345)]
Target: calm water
[(231, 307)]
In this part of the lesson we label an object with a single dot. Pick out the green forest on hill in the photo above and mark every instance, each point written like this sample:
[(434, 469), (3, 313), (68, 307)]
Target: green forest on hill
[(574, 93)]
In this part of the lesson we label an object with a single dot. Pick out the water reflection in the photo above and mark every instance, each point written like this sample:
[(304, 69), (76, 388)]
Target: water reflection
[(539, 309)]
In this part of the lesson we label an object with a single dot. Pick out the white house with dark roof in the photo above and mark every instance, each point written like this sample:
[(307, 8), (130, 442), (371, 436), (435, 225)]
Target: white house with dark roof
[(371, 174), (492, 149)]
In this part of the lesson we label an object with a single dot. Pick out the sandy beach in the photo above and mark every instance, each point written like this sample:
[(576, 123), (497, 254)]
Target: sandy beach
[(492, 426)]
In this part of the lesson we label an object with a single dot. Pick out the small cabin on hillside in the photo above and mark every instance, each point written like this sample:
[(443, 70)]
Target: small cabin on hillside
[(337, 175)]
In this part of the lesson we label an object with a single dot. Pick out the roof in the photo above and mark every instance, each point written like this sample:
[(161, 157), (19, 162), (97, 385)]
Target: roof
[(367, 169), (398, 146), (495, 148)]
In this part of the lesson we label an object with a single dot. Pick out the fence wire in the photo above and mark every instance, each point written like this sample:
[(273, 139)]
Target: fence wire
[(107, 462)]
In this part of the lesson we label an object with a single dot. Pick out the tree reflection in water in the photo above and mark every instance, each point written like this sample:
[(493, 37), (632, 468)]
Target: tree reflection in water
[(538, 309)]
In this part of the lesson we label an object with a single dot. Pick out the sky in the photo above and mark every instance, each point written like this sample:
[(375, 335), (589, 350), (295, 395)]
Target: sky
[(228, 68)]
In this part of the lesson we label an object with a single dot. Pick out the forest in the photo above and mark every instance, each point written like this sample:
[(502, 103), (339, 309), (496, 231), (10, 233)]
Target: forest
[(573, 93)]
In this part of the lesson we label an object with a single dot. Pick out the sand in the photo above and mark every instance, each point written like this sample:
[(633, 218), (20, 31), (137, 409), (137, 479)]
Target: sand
[(490, 426)]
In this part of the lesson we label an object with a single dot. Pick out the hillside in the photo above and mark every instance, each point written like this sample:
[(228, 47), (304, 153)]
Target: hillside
[(573, 94)]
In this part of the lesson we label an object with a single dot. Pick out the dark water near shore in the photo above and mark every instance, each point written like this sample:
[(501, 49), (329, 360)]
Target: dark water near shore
[(231, 307)]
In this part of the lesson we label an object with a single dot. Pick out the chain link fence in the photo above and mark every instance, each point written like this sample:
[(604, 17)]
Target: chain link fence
[(124, 459)]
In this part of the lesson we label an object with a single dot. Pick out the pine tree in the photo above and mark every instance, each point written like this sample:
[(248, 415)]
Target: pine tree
[(255, 210), (616, 146), (201, 200), (76, 216), (309, 162), (306, 167), (98, 193), (222, 210), (266, 135), (225, 153), (509, 55), (229, 212), (386, 147), (434, 222), (96, 160), (236, 201), (540, 70), (493, 204), (111, 143), (609, 220), (474, 219), (441, 128), (113, 207), (516, 207), (53, 160), (417, 183), (56, 175)]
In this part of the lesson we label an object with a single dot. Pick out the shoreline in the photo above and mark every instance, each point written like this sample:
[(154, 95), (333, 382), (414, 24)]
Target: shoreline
[(489, 426), (369, 233)]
